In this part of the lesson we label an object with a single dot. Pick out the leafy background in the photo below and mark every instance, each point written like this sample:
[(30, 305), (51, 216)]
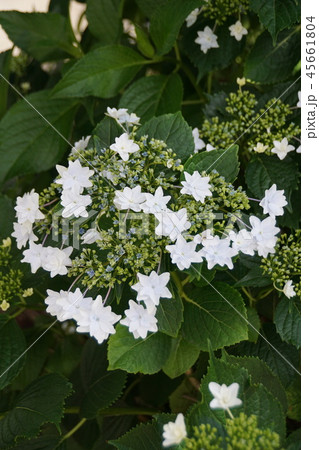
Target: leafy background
[(67, 391)]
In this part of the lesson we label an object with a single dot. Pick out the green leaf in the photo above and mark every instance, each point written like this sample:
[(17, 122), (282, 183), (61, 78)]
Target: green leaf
[(137, 355), (268, 64), (104, 18), (217, 314), (41, 402), (39, 443), (167, 20), (93, 362), (7, 216), (33, 33), (224, 161), (143, 42), (254, 278), (102, 72), (102, 393), (261, 374), (294, 401), (277, 14), (282, 358), (293, 441), (182, 357), (215, 58), (169, 315), (5, 62), (259, 401), (12, 346), (172, 129), (288, 321), (153, 96), (142, 437), (263, 171), (253, 319), (28, 143)]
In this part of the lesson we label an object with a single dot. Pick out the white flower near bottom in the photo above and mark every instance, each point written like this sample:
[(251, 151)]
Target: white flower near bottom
[(74, 203), (282, 148), (156, 202), (198, 142), (183, 253), (273, 202), (288, 289), (243, 242), (55, 260), (174, 432), (237, 30), (129, 199), (139, 320), (225, 397), (91, 236), (172, 223), (27, 208), (150, 288), (218, 251), (124, 146), (206, 39), (196, 186), (23, 233), (98, 321), (53, 307), (192, 17)]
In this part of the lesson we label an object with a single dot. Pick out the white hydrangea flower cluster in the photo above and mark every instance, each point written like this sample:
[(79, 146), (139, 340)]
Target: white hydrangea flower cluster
[(174, 228)]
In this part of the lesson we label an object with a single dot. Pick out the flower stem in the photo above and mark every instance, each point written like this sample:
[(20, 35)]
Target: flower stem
[(74, 430), (229, 412)]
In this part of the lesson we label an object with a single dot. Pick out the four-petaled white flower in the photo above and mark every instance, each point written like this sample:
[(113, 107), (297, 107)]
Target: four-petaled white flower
[(196, 186), (80, 145), (174, 432), (139, 320), (23, 233), (264, 232), (150, 288), (172, 223), (237, 30), (74, 203), (225, 397), (206, 39), (273, 202), (155, 203), (91, 236), (299, 100), (183, 253), (124, 146), (27, 208), (192, 17), (98, 321), (55, 260), (203, 236), (75, 177), (288, 289), (198, 142), (260, 148), (129, 199), (282, 148), (243, 242)]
